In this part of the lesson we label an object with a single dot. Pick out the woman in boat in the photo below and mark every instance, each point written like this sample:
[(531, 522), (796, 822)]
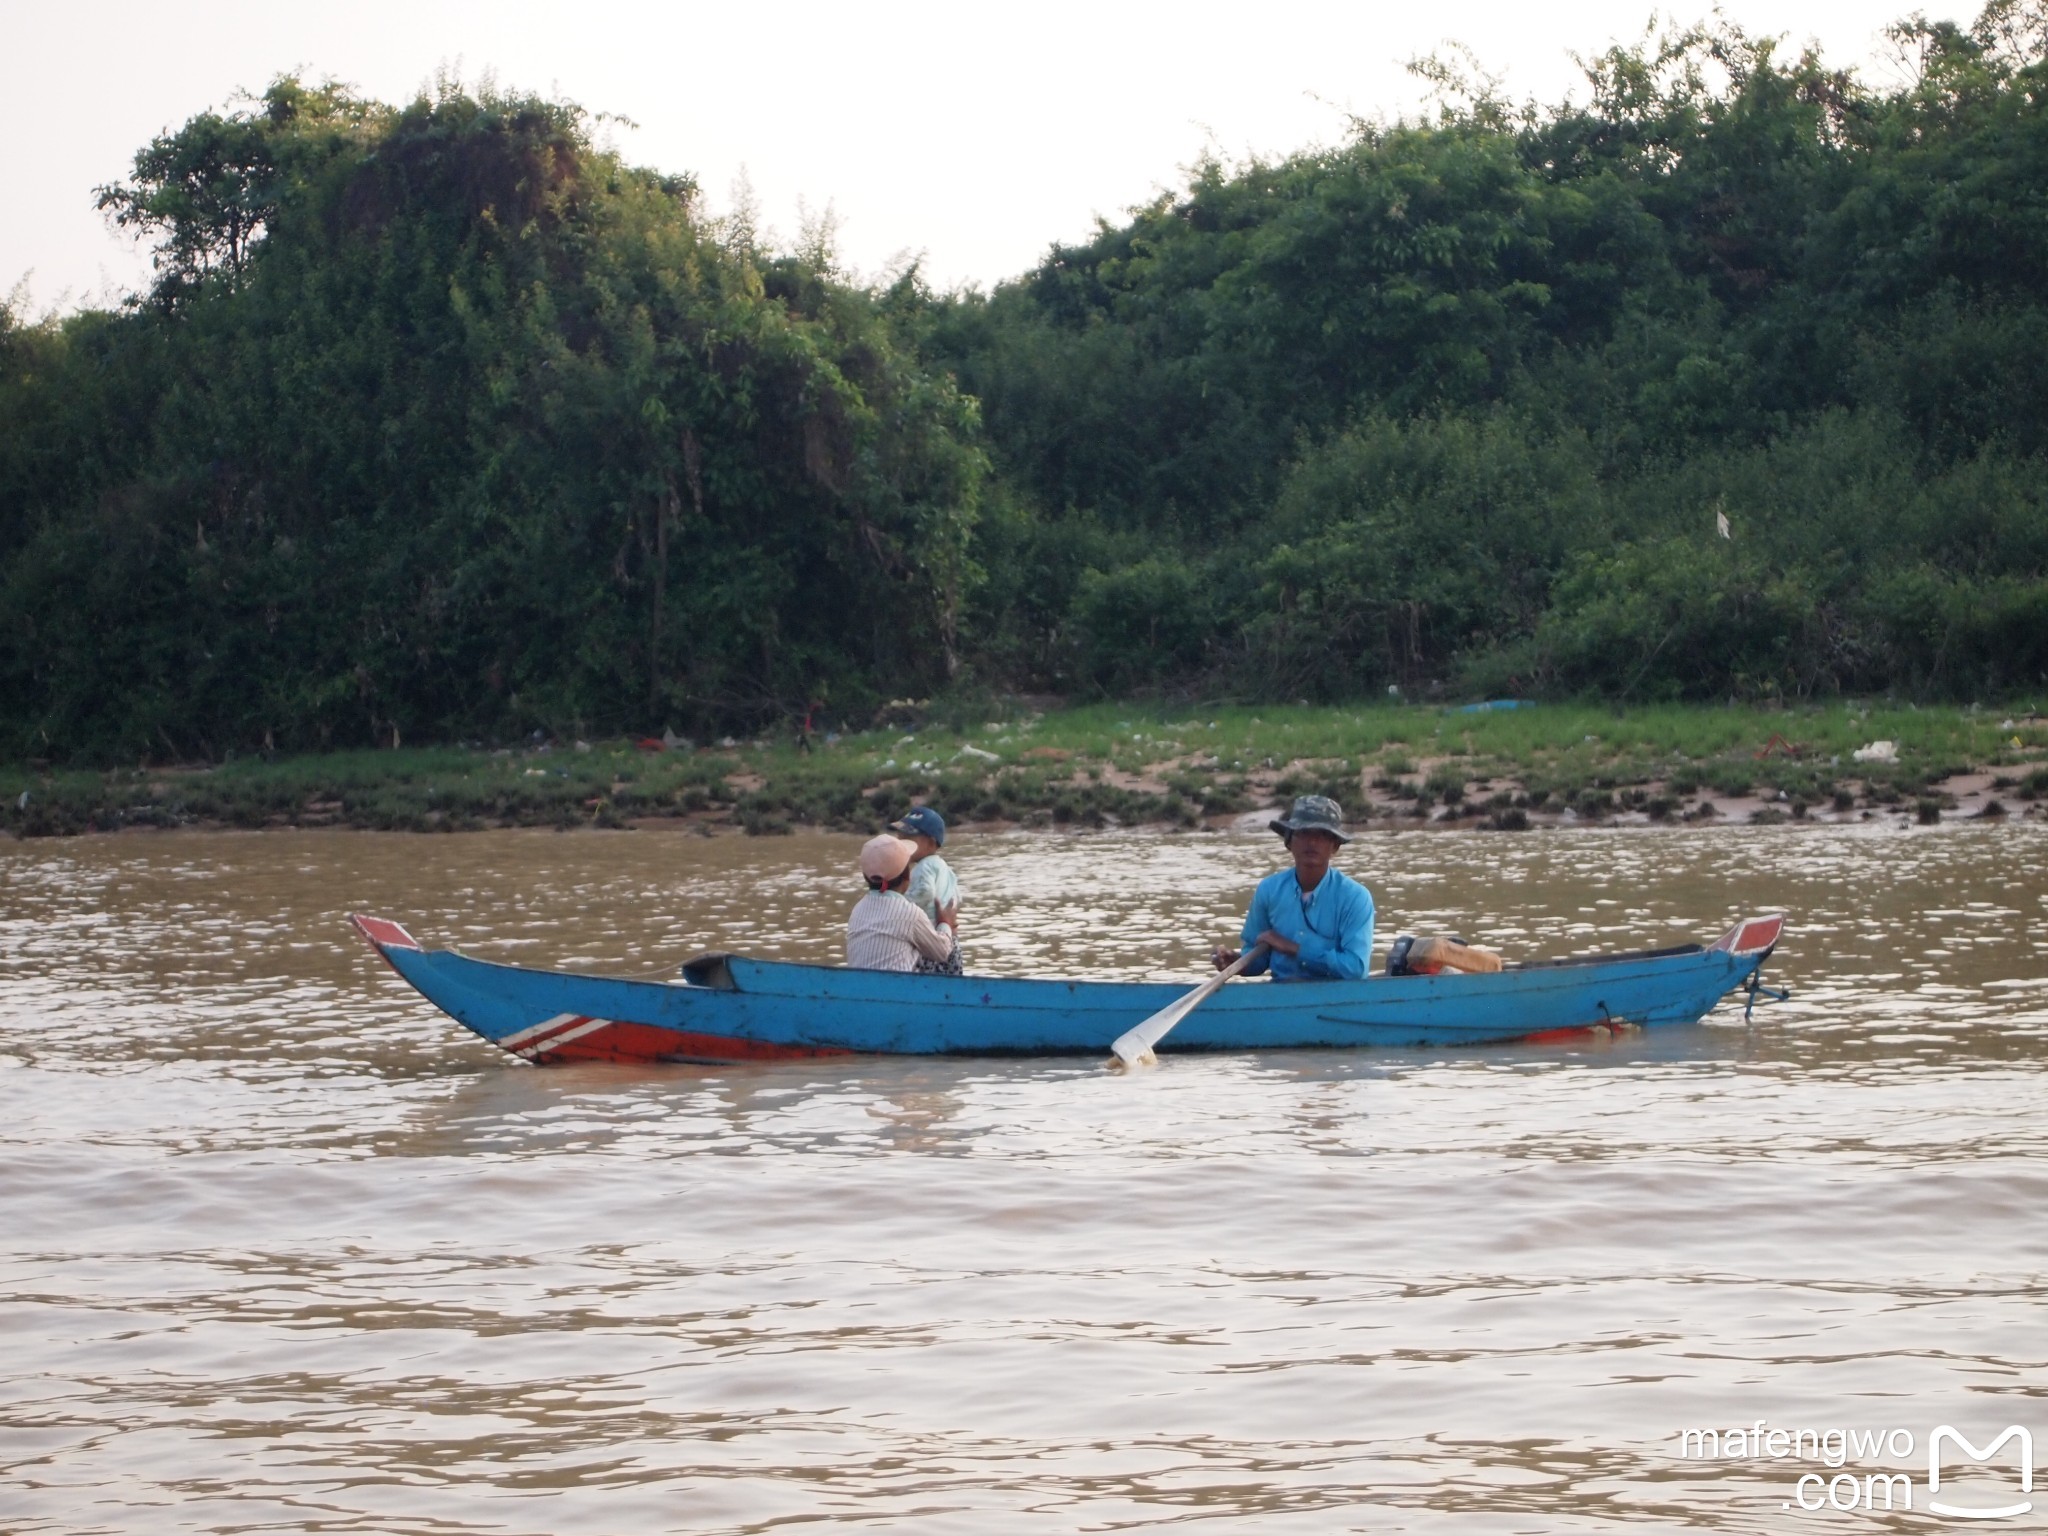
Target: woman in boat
[(1315, 921), (933, 885), (885, 932)]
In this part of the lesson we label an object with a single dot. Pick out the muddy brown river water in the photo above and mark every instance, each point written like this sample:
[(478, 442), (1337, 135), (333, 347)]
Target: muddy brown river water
[(282, 1249)]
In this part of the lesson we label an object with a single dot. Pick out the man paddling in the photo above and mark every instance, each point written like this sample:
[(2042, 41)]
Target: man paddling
[(1315, 921)]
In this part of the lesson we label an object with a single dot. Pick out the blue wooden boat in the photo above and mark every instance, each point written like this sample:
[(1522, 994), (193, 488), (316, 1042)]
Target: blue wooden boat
[(729, 1008)]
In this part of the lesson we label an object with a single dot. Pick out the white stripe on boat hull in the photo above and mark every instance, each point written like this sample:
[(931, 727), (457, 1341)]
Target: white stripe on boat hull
[(519, 1037), (535, 1042)]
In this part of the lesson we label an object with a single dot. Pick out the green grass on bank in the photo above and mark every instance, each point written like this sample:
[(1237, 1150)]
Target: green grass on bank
[(1084, 766)]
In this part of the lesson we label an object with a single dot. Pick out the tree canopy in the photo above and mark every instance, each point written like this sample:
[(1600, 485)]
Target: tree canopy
[(443, 421)]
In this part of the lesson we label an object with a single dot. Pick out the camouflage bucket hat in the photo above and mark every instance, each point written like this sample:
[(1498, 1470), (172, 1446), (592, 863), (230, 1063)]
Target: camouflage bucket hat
[(1313, 813)]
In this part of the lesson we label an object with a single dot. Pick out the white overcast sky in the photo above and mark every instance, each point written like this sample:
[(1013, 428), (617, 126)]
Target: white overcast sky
[(973, 134)]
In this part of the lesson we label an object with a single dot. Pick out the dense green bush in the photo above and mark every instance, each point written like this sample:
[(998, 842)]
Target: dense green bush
[(1460, 402), (481, 430)]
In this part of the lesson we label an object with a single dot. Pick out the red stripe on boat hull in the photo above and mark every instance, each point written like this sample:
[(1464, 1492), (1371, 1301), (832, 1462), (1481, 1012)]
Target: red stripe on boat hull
[(621, 1040), (1579, 1032), (1559, 1036)]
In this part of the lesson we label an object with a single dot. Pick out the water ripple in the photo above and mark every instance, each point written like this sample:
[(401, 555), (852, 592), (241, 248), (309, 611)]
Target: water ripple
[(286, 1251)]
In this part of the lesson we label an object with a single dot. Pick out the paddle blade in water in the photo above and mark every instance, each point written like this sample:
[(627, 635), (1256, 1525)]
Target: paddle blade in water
[(1134, 1046)]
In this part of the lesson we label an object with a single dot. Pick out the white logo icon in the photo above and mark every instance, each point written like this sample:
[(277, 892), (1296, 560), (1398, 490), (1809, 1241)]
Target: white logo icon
[(1970, 1511)]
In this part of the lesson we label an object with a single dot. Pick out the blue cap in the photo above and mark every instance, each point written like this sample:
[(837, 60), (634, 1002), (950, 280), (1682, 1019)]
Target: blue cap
[(922, 819)]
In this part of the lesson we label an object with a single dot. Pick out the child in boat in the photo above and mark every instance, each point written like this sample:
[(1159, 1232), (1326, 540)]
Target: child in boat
[(933, 886)]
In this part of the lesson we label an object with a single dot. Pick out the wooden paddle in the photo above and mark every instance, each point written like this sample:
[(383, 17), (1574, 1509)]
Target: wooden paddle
[(1134, 1046)]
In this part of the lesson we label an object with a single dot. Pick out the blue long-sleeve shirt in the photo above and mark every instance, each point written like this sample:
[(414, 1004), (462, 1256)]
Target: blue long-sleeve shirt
[(1332, 924)]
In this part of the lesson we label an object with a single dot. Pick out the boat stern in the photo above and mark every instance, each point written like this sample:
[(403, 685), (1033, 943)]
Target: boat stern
[(1752, 937), (1749, 944)]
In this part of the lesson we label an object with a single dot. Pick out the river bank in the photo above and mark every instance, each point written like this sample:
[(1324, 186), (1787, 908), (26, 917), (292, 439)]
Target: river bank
[(1394, 765)]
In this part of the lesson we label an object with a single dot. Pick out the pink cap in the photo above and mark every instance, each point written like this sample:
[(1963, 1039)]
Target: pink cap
[(885, 857)]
